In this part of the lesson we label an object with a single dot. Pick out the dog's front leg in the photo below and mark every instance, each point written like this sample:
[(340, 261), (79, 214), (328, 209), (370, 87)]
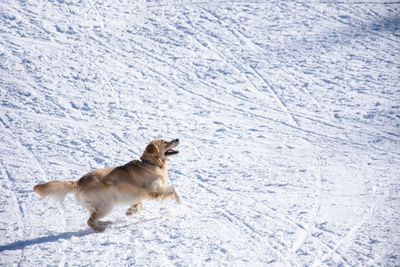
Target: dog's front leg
[(177, 196), (162, 193)]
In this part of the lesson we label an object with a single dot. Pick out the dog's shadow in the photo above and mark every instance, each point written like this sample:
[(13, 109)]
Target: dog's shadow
[(45, 239), (68, 235)]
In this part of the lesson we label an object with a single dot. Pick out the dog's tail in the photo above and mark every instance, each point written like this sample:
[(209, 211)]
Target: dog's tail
[(57, 189)]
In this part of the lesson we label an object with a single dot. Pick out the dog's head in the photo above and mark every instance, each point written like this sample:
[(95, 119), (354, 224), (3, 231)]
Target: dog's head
[(157, 151)]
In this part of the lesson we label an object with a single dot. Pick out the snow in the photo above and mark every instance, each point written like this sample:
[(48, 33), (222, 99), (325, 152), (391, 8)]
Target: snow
[(288, 113)]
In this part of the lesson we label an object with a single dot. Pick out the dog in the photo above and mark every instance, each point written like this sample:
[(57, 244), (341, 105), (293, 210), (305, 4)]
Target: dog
[(100, 190)]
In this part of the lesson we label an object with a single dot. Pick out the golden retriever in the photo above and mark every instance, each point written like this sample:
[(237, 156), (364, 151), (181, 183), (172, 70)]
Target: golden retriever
[(100, 190)]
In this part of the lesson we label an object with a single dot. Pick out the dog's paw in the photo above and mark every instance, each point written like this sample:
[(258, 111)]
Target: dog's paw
[(129, 212), (134, 209), (178, 197), (97, 227)]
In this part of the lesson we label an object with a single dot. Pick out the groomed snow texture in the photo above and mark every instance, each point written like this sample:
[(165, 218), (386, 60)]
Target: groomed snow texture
[(288, 113)]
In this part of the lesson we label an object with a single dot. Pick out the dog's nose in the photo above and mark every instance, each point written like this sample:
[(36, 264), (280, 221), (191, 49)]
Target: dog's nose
[(176, 140)]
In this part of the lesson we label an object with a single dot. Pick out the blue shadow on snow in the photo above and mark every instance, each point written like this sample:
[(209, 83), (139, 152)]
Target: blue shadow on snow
[(45, 239)]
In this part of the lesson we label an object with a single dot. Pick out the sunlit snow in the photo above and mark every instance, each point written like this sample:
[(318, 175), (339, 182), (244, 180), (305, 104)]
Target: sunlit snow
[(288, 113)]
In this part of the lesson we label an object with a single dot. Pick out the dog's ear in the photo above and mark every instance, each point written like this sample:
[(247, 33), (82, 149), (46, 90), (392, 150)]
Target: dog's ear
[(152, 149), (152, 154)]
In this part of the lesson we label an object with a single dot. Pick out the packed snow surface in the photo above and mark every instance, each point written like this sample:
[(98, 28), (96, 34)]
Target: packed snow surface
[(288, 113)]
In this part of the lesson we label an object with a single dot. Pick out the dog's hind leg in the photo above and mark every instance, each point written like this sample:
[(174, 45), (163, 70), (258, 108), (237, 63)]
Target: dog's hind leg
[(134, 208), (94, 222)]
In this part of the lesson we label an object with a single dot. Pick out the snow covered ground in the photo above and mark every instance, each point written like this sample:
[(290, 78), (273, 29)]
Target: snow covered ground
[(288, 114)]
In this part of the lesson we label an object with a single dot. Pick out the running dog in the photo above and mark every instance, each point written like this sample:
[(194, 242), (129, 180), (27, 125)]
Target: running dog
[(100, 190)]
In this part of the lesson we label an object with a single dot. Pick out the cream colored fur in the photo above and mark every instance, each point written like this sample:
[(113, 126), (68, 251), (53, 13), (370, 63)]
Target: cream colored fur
[(100, 190)]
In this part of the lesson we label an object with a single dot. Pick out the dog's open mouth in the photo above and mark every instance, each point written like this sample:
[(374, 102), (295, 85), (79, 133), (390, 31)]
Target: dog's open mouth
[(170, 152)]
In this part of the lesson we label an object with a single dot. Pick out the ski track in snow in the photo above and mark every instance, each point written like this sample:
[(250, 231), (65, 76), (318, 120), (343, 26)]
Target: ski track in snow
[(288, 114)]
